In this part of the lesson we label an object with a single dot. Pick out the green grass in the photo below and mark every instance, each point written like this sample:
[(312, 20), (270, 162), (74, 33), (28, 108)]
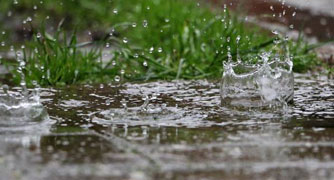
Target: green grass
[(151, 39), (56, 60)]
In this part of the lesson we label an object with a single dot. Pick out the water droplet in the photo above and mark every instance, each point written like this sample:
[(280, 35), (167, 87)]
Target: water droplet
[(323, 21), (117, 78), (134, 25), (124, 103), (38, 35), (9, 14), (115, 11), (5, 88), (18, 54), (294, 13), (272, 8), (108, 102), (151, 50), (145, 23), (238, 39), (125, 40), (275, 32), (160, 49), (29, 19), (145, 63), (286, 38)]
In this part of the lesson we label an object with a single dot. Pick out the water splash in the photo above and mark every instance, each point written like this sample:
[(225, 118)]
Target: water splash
[(267, 84), (21, 113)]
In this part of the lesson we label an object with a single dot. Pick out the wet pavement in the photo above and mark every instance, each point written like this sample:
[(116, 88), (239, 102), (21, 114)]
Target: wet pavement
[(170, 130)]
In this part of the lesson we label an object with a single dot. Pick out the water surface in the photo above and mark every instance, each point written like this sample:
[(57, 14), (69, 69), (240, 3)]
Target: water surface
[(171, 130)]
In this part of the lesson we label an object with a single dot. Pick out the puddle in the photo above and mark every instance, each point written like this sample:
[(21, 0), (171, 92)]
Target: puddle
[(172, 130)]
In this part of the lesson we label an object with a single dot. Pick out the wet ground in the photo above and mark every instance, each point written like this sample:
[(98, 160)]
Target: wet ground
[(169, 130)]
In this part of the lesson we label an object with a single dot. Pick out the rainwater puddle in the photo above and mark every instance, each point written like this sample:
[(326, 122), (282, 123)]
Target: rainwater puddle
[(173, 130)]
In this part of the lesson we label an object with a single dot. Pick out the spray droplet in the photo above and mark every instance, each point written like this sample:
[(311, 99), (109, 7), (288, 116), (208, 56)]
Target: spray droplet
[(145, 23), (125, 40), (124, 103), (151, 50), (117, 78), (5, 88), (29, 19), (238, 39), (275, 32), (108, 102), (38, 35), (272, 8)]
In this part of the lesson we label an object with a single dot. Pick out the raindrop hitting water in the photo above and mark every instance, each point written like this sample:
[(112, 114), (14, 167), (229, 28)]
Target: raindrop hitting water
[(21, 107), (263, 85)]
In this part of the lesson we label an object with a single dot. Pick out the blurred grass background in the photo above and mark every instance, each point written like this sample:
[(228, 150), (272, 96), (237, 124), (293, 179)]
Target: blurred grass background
[(146, 39)]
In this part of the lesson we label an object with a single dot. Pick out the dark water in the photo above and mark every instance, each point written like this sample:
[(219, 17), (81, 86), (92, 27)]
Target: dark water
[(180, 132)]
